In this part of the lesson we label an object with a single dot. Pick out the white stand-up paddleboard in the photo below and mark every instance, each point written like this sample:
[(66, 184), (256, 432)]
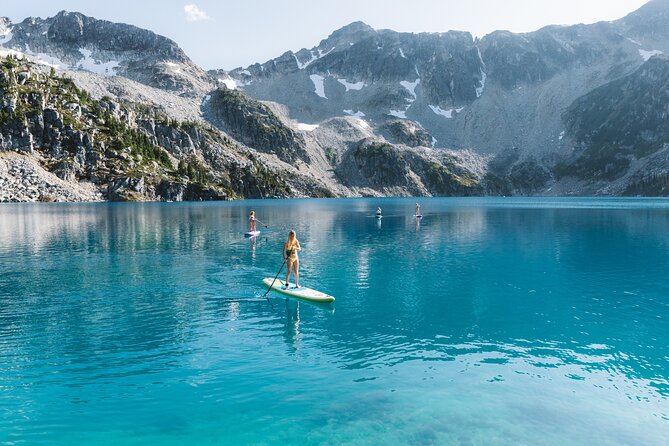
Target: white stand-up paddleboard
[(418, 216), (252, 233), (300, 293)]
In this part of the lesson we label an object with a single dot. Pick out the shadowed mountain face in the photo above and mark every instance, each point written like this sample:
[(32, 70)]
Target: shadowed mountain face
[(619, 124)]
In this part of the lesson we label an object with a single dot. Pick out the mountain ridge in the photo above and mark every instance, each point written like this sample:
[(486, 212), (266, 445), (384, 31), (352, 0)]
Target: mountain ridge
[(364, 112)]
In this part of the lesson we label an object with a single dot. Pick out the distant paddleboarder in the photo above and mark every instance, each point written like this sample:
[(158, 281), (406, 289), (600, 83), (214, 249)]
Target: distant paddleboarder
[(378, 212), (418, 214), (290, 249)]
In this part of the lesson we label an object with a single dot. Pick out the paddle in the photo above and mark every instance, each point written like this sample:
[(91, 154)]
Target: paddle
[(261, 223), (277, 275)]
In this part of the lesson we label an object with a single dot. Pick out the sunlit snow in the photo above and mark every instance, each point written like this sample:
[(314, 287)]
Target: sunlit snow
[(648, 54), (313, 59), (351, 85), (402, 54), (480, 88), (45, 59), (445, 113), (319, 85), (95, 66), (411, 86), (307, 127), (229, 82), (301, 65), (398, 114)]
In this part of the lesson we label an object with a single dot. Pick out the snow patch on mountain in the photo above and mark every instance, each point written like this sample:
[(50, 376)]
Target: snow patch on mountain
[(301, 65), (314, 58), (402, 54), (411, 87), (648, 54), (634, 41), (307, 127), (448, 114), (351, 85), (319, 85), (481, 87), (228, 82), (95, 66), (44, 59)]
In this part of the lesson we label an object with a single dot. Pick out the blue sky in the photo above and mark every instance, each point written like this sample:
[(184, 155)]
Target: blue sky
[(227, 34)]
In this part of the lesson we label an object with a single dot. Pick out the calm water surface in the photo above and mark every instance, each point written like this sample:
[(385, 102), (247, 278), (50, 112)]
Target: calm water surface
[(491, 321)]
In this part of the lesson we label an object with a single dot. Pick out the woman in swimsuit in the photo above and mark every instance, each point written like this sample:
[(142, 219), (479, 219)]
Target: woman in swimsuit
[(290, 249), (252, 221)]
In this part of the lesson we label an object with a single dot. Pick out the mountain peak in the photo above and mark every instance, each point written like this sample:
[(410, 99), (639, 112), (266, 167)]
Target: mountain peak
[(352, 32), (648, 19)]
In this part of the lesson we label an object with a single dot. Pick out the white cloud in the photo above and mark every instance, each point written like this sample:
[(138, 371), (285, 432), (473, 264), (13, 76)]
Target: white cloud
[(195, 14)]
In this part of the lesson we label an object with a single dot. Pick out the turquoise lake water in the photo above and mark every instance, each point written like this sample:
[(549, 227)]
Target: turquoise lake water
[(491, 321)]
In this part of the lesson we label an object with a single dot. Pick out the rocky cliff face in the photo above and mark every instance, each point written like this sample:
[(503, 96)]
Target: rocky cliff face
[(503, 95), (254, 124), (124, 151), (620, 127), (75, 41)]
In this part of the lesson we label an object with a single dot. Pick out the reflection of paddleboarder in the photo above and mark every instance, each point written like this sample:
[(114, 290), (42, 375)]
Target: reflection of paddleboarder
[(417, 210), (253, 247), (290, 249)]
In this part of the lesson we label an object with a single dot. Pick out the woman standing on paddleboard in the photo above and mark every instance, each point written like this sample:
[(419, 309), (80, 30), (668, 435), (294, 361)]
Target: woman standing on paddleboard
[(290, 249), (252, 221)]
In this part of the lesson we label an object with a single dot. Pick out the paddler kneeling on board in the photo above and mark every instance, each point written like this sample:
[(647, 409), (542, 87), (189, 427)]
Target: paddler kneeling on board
[(290, 249)]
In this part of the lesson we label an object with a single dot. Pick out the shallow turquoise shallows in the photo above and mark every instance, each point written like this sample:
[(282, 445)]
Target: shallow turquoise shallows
[(491, 321)]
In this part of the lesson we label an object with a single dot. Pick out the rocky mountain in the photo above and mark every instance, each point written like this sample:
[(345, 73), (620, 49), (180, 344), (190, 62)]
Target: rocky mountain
[(91, 109), (504, 95), (108, 111), (621, 131), (75, 41), (123, 151)]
